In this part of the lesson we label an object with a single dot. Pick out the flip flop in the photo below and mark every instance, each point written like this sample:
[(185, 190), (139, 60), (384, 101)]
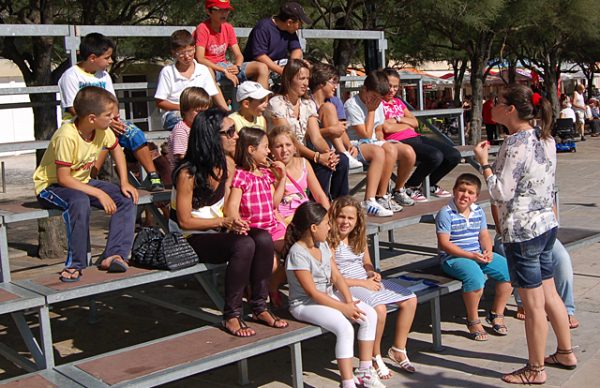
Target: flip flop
[(573, 322), (239, 332), (70, 271), (276, 320), (116, 265)]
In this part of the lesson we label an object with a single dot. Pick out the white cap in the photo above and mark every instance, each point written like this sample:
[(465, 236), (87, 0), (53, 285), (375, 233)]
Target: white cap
[(251, 89)]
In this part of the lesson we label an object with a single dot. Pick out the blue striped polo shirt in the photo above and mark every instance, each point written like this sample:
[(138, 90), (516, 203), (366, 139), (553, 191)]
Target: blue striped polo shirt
[(464, 232)]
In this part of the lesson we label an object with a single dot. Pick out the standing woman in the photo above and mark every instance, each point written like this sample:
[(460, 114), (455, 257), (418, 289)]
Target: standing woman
[(521, 183), (203, 179)]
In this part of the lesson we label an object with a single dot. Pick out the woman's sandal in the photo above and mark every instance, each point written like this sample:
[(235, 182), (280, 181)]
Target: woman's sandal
[(479, 335), (382, 370), (525, 375), (499, 328), (239, 332), (116, 264), (520, 314), (552, 359), (573, 322), (70, 278), (405, 364), (277, 323)]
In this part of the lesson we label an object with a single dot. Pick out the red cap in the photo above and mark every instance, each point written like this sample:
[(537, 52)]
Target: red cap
[(222, 4)]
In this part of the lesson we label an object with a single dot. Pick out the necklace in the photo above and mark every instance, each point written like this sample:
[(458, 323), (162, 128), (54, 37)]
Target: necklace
[(86, 138)]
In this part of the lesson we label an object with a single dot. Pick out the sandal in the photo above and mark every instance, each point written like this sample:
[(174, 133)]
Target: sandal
[(479, 335), (499, 328), (70, 278), (520, 314), (116, 264), (382, 370), (525, 375), (573, 322), (239, 332), (277, 323), (405, 364), (552, 359)]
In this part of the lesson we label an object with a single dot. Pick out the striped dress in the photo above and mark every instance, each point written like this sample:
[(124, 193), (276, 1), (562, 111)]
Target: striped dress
[(351, 267)]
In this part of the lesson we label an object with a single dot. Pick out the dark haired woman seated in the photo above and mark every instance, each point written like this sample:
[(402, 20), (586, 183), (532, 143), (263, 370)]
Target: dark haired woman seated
[(201, 185)]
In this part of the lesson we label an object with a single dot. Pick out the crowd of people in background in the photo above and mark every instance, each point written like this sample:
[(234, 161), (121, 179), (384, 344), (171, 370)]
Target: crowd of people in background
[(265, 189)]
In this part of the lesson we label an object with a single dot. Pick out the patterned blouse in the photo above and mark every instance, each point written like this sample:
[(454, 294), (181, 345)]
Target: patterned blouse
[(256, 205), (281, 108), (523, 186)]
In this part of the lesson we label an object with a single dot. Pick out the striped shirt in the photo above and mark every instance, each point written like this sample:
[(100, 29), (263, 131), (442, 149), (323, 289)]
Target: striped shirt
[(178, 142), (464, 232)]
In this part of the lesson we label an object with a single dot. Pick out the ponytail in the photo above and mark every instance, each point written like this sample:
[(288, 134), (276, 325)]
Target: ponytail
[(544, 113), (529, 106), (307, 214)]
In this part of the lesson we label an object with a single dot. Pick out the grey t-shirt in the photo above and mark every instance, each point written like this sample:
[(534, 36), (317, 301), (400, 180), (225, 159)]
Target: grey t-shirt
[(356, 114), (300, 259)]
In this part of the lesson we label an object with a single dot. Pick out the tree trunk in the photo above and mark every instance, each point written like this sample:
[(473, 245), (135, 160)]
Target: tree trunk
[(551, 76), (512, 71), (343, 51), (476, 99), (459, 76)]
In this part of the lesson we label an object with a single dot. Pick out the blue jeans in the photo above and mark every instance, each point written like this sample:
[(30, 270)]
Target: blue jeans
[(241, 76), (473, 274), (563, 273)]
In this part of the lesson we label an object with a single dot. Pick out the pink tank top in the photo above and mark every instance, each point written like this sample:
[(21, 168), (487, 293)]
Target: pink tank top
[(293, 197)]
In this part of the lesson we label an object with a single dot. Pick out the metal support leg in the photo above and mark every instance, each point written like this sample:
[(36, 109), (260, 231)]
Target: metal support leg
[(243, 372), (296, 352), (210, 288), (436, 323), (3, 177), (46, 336), (4, 264), (376, 253), (426, 188), (391, 239), (93, 316), (29, 339)]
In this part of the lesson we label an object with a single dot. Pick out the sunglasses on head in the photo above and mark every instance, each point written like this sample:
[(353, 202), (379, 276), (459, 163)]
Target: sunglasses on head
[(230, 132)]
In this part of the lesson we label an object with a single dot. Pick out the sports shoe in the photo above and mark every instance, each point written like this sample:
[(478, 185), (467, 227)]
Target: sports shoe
[(388, 203), (416, 195), (352, 161), (155, 182), (402, 198), (439, 192), (375, 209), (367, 378)]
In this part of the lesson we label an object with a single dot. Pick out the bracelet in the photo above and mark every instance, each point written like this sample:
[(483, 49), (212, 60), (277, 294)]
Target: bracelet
[(316, 157), (483, 167)]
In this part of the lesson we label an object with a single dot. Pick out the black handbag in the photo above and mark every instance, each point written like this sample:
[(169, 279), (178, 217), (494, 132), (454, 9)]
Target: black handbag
[(155, 250)]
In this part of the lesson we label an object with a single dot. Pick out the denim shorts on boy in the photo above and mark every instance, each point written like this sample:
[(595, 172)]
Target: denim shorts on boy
[(360, 157), (133, 138), (473, 274), (171, 120), (530, 262), (241, 76)]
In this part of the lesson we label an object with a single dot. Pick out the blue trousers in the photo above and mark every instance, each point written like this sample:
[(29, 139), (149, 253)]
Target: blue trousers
[(334, 183), (473, 274), (76, 206)]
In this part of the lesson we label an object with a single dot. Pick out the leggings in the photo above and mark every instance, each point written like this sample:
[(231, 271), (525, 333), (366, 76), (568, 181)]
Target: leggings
[(434, 158), (249, 262), (334, 321)]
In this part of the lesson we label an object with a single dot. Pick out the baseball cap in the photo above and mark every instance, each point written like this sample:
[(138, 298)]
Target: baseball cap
[(294, 9), (251, 89), (222, 4)]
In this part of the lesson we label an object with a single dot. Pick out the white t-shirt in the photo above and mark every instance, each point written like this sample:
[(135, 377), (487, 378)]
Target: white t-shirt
[(76, 78), (171, 83), (568, 113), (356, 114)]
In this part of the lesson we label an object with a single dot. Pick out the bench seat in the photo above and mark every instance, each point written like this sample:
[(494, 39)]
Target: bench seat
[(14, 298), (42, 379)]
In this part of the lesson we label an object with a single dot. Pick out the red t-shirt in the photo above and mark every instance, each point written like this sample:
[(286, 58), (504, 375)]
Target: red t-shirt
[(487, 112), (215, 43)]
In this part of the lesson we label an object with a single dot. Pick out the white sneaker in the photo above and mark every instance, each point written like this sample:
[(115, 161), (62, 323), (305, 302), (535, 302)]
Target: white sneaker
[(352, 161), (388, 203), (375, 209), (402, 198), (367, 378), (416, 195)]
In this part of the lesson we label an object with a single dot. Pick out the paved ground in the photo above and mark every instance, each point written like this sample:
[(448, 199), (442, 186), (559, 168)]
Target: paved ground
[(124, 320)]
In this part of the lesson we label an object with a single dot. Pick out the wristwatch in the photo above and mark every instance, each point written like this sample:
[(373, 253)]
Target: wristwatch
[(484, 166)]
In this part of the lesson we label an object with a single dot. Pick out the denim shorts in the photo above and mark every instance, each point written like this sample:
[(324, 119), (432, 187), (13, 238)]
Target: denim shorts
[(171, 119), (133, 138), (360, 157), (530, 262), (220, 76)]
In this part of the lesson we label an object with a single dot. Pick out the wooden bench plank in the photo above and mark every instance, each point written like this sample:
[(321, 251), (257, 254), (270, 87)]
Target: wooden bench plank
[(43, 379), (13, 298)]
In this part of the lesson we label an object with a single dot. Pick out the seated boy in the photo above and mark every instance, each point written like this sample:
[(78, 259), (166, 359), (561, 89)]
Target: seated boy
[(465, 251), (96, 51), (253, 99), (365, 118), (273, 40), (63, 181), (214, 36), (193, 100), (185, 72)]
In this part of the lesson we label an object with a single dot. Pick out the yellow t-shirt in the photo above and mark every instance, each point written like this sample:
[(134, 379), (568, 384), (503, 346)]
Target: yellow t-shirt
[(67, 148), (240, 122)]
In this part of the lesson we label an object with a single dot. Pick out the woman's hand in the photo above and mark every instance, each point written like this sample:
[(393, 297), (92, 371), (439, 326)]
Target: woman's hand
[(351, 311), (372, 284), (375, 275), (481, 152), (235, 225)]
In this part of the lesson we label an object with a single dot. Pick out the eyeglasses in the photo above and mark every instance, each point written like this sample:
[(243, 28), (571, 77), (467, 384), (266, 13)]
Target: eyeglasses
[(229, 133), (185, 53), (332, 82)]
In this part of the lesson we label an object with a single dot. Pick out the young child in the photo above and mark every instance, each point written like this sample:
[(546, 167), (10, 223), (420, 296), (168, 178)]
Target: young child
[(466, 253), (193, 100), (62, 181), (313, 274), (348, 237), (185, 72), (96, 50), (214, 36), (365, 120), (434, 159), (323, 83), (256, 190), (253, 99)]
